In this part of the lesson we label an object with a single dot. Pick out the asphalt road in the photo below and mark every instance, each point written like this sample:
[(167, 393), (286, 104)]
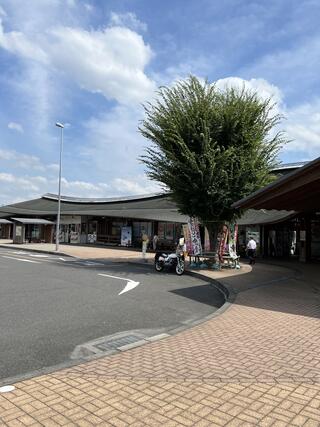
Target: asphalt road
[(49, 305)]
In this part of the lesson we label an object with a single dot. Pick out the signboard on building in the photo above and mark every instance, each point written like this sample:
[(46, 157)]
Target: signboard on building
[(18, 230), (74, 237), (70, 219), (126, 236), (92, 238)]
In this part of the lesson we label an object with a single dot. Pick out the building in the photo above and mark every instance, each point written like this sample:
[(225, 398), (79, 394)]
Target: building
[(5, 229), (95, 221), (278, 226), (296, 196), (285, 168)]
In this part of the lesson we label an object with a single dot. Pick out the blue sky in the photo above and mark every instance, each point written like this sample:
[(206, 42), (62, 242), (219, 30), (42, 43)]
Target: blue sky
[(90, 64)]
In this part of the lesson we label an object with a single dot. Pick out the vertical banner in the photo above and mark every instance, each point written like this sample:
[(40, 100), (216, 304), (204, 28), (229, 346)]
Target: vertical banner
[(223, 240), (233, 236), (206, 240), (193, 226), (187, 238)]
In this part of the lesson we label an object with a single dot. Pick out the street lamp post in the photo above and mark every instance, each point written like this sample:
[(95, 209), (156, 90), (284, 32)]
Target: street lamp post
[(61, 126)]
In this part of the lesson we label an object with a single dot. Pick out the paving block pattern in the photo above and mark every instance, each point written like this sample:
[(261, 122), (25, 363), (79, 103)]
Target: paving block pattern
[(256, 364)]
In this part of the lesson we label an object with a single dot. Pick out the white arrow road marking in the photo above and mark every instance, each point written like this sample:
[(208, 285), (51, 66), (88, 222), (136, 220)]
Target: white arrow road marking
[(21, 259), (131, 284)]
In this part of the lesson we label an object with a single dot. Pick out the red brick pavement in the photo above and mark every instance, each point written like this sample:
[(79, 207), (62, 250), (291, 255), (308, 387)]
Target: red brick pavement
[(257, 363)]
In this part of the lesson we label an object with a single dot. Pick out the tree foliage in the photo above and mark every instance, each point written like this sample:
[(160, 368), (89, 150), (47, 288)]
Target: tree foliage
[(209, 147)]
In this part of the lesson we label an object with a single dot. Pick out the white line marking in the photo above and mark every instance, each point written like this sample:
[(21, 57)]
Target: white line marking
[(92, 263), (88, 263), (7, 388), (40, 256), (131, 284), (21, 259)]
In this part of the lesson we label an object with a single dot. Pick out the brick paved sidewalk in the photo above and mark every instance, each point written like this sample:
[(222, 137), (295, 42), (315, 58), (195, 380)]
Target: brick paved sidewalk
[(88, 252), (257, 364)]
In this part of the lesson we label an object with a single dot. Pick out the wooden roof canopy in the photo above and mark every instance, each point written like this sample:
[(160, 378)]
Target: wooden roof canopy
[(298, 191)]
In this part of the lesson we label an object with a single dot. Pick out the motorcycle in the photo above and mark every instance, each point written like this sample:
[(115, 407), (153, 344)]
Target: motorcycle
[(173, 260)]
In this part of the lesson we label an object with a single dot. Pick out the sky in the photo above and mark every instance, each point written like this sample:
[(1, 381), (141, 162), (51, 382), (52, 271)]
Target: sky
[(92, 64)]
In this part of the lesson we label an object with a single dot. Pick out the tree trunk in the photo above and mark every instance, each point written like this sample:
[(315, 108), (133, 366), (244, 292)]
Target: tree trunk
[(214, 228)]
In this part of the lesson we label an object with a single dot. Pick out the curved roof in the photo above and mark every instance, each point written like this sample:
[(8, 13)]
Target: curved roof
[(94, 200), (289, 166), (261, 216), (149, 207)]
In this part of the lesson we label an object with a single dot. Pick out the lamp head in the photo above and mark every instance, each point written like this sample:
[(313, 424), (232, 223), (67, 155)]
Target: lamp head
[(59, 125)]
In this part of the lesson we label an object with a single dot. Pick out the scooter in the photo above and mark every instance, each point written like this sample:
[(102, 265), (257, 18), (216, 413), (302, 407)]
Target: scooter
[(174, 260)]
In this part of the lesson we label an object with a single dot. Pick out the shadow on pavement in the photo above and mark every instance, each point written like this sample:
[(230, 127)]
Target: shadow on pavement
[(206, 294), (286, 287)]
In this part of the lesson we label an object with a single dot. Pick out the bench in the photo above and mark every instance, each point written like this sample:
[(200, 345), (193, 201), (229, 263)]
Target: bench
[(208, 259)]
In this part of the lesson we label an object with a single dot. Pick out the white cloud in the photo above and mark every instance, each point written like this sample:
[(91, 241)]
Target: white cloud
[(18, 43), (88, 7), (20, 160), (128, 20), (15, 126), (2, 12), (109, 61), (6, 177), (301, 124), (137, 185), (263, 88), (113, 142), (19, 183), (53, 166), (71, 3), (303, 127), (17, 188)]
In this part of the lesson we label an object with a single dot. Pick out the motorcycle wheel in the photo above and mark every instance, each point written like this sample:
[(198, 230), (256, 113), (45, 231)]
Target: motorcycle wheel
[(158, 266), (180, 268)]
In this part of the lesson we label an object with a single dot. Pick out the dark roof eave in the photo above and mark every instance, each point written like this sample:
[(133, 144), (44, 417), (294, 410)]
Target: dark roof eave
[(248, 202)]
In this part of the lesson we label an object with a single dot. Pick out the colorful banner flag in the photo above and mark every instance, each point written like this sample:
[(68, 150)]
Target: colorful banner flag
[(196, 248), (223, 240)]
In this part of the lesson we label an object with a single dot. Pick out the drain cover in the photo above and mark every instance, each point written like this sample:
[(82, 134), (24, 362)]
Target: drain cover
[(112, 344)]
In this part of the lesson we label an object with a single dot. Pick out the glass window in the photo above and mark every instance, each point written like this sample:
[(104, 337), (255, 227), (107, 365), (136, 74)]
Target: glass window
[(35, 232), (169, 231), (315, 239), (161, 230)]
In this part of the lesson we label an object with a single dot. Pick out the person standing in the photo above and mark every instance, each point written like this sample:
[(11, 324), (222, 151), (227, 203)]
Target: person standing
[(251, 248)]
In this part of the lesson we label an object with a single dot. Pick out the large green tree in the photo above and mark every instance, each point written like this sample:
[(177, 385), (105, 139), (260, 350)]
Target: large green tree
[(210, 147)]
